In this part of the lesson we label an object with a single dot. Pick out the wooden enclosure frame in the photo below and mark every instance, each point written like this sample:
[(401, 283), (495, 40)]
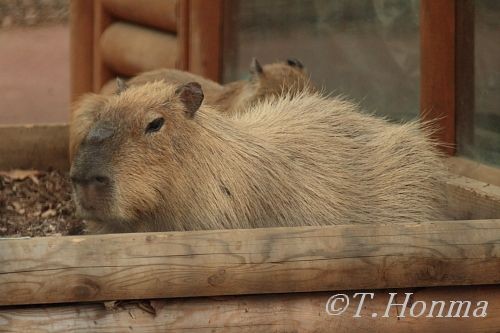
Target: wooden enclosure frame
[(208, 276)]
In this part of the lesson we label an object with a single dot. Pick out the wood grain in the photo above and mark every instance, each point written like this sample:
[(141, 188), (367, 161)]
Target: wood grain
[(437, 54), (300, 312), (159, 14), (81, 43), (129, 49), (233, 262), (34, 147)]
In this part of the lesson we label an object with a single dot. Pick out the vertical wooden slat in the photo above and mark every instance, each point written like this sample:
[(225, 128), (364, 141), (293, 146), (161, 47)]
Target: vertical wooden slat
[(205, 38), (464, 68), (438, 80), (183, 34), (81, 45), (102, 20), (230, 44)]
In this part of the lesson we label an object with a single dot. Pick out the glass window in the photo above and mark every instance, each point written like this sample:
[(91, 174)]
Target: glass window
[(479, 138), (368, 50)]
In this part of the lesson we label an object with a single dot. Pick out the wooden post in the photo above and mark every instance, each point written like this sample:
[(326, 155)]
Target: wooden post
[(81, 45), (101, 72), (253, 261), (205, 38), (438, 79)]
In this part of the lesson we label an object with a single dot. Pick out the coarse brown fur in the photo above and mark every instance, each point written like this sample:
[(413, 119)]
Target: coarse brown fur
[(306, 160)]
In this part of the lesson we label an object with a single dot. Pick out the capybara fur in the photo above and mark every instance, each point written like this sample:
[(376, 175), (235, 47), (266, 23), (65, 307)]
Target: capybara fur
[(154, 158)]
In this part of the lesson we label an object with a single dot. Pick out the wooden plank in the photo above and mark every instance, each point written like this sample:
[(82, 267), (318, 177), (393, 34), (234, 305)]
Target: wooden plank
[(469, 199), (300, 312), (475, 170), (129, 49), (34, 147), (159, 14), (81, 43), (437, 53), (205, 38), (256, 261), (102, 73)]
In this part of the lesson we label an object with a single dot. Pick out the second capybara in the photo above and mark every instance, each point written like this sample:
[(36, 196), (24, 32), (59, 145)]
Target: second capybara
[(288, 77), (154, 158)]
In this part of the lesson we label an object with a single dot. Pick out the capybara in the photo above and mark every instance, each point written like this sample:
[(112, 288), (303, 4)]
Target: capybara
[(234, 98), (154, 158), (268, 80)]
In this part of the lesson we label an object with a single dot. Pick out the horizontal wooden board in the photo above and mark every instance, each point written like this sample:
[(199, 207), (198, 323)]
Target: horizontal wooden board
[(475, 170), (160, 14), (129, 49), (300, 312), (258, 261), (470, 199), (34, 147)]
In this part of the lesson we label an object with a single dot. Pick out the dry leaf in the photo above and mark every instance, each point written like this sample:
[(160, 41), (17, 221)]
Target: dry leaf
[(48, 213), (19, 174)]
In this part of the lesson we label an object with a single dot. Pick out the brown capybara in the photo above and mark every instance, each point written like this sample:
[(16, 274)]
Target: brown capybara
[(154, 158), (232, 99), (287, 77)]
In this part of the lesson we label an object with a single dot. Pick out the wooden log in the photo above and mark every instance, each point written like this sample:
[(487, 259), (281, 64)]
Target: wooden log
[(300, 312), (129, 49), (34, 147), (255, 261), (161, 14), (470, 199), (81, 42)]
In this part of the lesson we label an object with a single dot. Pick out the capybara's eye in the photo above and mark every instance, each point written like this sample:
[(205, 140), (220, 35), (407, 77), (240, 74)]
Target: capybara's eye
[(155, 125)]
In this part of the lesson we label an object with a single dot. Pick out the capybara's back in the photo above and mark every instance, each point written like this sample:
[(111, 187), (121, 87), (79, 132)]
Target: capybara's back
[(289, 161)]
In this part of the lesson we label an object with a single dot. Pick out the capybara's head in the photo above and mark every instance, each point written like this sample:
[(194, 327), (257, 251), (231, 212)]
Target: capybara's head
[(279, 78), (127, 147)]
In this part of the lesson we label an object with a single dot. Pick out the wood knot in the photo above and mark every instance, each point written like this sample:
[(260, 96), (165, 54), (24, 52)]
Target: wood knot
[(218, 278), (86, 289)]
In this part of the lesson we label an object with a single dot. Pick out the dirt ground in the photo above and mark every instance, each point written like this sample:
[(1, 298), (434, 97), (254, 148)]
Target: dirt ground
[(35, 203)]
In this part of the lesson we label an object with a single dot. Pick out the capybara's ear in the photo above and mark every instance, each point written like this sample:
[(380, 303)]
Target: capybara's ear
[(294, 63), (121, 85), (255, 67), (191, 95)]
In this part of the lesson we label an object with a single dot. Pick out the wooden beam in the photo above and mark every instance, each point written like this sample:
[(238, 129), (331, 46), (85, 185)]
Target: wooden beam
[(205, 38), (159, 14), (256, 261), (474, 170), (300, 312), (129, 49), (182, 35), (102, 20), (438, 76), (470, 199), (34, 147), (81, 44)]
